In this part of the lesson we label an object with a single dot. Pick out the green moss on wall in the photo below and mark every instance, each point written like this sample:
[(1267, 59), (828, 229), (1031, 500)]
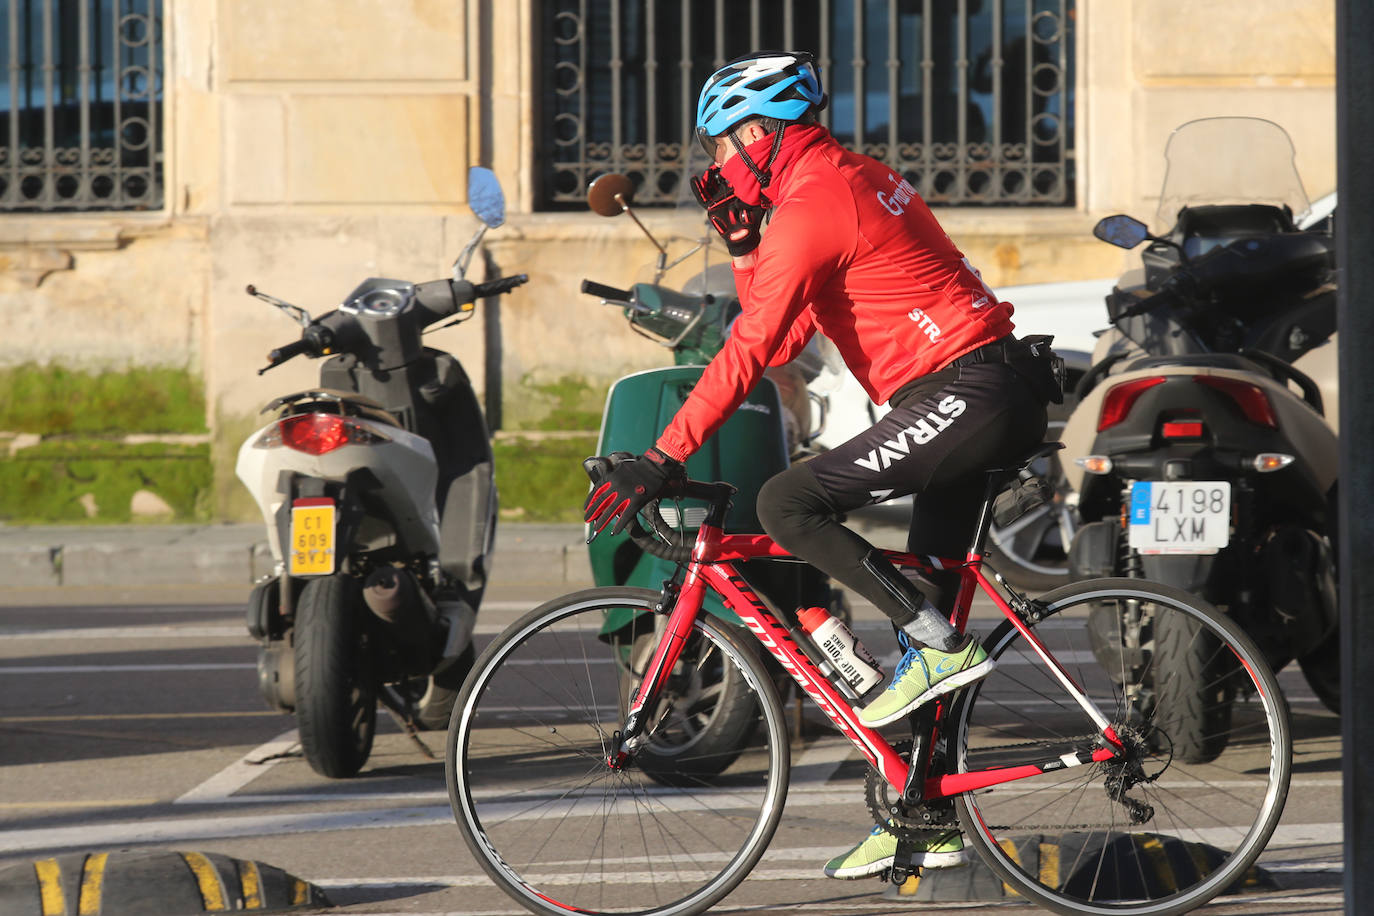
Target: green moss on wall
[(81, 480), (54, 400), (567, 404), (541, 479)]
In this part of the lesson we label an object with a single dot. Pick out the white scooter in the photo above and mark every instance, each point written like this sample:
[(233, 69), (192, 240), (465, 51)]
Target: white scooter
[(377, 492)]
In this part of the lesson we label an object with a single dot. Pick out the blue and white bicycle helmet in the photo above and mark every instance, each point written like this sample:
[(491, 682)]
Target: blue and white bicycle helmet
[(766, 84)]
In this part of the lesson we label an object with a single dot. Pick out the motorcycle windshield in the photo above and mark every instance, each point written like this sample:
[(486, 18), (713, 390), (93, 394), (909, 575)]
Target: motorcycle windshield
[(1229, 161)]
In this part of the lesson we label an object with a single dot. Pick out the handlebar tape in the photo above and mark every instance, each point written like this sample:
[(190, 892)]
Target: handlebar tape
[(602, 291)]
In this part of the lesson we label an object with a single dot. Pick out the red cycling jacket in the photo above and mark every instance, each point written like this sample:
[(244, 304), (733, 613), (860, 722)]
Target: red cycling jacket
[(853, 252)]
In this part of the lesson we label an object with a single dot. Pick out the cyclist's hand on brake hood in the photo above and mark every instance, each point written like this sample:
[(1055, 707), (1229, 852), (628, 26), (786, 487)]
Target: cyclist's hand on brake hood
[(631, 485)]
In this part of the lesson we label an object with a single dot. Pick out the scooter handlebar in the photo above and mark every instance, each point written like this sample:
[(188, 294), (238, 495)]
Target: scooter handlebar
[(282, 354), (496, 287), (610, 293)]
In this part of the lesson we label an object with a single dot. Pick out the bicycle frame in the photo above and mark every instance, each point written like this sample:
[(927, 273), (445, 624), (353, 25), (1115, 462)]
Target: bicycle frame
[(710, 569)]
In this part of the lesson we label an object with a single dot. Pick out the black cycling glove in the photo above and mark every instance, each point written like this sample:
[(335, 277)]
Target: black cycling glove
[(631, 485), (737, 222)]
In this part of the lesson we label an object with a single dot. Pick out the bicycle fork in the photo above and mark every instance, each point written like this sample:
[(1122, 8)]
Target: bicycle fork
[(686, 601)]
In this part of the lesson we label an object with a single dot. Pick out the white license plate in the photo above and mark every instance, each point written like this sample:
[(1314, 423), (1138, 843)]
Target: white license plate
[(1192, 516), (312, 537)]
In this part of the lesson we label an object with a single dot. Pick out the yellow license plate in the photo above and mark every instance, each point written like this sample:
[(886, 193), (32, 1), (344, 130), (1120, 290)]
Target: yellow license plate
[(312, 537)]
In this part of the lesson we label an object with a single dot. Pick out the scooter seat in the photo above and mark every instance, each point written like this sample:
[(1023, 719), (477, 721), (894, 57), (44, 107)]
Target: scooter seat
[(1200, 360), (346, 403)]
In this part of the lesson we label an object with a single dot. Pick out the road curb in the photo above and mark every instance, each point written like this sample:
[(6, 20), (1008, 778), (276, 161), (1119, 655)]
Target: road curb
[(136, 883), (1161, 862), (237, 554)]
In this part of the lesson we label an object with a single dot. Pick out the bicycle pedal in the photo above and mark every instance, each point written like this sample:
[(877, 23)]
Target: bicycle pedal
[(897, 875)]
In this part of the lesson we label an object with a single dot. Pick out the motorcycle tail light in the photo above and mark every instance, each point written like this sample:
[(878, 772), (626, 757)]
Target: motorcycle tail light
[(1265, 462), (1116, 406), (1182, 429), (1250, 398), (319, 433)]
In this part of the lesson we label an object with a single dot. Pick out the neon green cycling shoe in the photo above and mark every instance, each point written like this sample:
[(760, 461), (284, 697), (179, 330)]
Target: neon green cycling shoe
[(876, 853), (924, 674)]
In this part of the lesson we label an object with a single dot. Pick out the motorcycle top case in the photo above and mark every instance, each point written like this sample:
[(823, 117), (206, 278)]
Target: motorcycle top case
[(747, 450)]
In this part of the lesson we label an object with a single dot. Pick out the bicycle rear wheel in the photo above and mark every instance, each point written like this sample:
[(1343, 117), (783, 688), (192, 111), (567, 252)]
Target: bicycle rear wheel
[(551, 822), (1182, 814)]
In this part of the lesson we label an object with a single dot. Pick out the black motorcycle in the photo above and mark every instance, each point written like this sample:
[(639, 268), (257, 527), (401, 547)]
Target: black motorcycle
[(1201, 454)]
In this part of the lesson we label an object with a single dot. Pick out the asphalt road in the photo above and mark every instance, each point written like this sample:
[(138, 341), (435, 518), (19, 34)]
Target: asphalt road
[(131, 720)]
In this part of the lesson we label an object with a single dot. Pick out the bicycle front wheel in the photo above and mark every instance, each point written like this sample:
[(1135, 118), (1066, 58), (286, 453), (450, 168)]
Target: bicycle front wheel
[(546, 816), (1177, 817)]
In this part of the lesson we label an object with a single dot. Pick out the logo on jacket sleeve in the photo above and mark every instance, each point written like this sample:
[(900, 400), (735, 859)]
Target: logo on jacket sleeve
[(901, 195), (921, 432), (923, 321)]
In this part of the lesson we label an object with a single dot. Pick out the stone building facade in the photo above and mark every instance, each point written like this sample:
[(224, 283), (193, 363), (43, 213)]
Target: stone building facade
[(312, 144)]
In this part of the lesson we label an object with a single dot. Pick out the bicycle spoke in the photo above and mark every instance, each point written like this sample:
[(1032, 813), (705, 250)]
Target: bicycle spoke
[(560, 827), (1187, 803)]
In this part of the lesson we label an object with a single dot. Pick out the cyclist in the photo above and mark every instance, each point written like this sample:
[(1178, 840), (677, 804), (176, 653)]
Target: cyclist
[(852, 251)]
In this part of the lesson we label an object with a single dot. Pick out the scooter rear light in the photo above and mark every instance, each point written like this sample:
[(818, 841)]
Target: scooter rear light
[(1116, 406), (1182, 429), (1250, 398), (319, 433)]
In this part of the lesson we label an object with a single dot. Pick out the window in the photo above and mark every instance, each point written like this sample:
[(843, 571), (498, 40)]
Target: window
[(971, 101), (81, 105)]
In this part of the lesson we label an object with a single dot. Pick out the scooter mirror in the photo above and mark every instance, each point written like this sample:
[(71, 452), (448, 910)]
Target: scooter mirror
[(608, 194), (1121, 230), (485, 196)]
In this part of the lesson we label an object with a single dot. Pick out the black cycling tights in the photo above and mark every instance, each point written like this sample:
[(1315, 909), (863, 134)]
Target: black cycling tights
[(942, 434)]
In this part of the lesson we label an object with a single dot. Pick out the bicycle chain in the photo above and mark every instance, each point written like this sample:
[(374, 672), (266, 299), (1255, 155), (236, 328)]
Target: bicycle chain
[(905, 826)]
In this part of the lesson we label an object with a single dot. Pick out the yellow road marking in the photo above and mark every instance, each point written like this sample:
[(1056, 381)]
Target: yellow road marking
[(50, 887), (1009, 848), (1049, 865), (92, 883), (251, 883), (1154, 849), (211, 891), (300, 893)]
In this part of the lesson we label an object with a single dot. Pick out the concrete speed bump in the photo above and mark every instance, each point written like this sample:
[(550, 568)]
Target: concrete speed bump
[(137, 883), (1106, 866)]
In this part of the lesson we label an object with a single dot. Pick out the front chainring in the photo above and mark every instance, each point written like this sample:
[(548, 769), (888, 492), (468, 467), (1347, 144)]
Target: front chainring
[(902, 821)]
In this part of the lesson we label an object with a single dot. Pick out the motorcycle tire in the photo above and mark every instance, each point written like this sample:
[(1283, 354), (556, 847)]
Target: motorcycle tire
[(711, 714), (336, 697), (1192, 690), (1322, 669), (435, 707)]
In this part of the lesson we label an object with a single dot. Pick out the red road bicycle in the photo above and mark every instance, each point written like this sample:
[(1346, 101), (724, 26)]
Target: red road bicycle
[(1088, 771)]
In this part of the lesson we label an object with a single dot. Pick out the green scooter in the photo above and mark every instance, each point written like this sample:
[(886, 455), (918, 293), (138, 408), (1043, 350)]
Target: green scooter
[(707, 725)]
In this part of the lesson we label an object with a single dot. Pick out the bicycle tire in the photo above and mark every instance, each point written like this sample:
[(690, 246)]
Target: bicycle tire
[(1162, 835), (558, 829)]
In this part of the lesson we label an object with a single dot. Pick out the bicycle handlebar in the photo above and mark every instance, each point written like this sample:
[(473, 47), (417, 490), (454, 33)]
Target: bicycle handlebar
[(662, 541)]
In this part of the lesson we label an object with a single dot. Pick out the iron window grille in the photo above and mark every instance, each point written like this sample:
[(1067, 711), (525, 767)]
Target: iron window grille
[(970, 100), (81, 105)]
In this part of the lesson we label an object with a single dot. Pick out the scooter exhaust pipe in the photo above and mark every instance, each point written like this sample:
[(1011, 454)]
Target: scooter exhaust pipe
[(394, 596)]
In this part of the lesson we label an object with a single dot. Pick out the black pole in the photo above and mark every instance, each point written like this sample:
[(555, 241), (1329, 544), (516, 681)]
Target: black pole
[(1355, 258)]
